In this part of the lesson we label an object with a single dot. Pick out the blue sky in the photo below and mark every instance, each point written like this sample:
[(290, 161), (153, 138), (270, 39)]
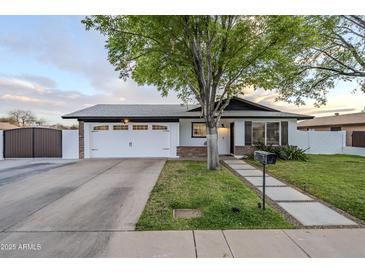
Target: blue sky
[(52, 66)]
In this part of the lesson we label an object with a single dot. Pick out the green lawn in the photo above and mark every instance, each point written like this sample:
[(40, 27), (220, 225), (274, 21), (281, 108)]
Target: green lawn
[(336, 179), (188, 184)]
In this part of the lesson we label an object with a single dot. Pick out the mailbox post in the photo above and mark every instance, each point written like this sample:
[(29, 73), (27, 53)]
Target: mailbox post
[(265, 158)]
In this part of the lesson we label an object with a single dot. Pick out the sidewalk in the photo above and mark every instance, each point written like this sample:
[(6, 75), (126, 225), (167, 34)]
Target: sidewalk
[(240, 243), (287, 243), (306, 210)]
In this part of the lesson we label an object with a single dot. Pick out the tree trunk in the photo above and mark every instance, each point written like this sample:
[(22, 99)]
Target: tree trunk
[(212, 146)]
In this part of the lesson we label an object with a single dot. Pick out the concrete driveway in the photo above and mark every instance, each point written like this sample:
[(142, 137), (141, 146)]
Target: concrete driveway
[(12, 170), (72, 210)]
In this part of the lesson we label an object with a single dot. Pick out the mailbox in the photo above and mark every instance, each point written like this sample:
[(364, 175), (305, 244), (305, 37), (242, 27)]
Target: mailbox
[(266, 158)]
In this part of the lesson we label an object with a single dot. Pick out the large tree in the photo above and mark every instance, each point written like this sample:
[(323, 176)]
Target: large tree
[(207, 58), (337, 54), (22, 117)]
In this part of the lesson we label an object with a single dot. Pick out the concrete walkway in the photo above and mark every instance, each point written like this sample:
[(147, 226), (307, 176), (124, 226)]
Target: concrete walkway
[(303, 208), (296, 243)]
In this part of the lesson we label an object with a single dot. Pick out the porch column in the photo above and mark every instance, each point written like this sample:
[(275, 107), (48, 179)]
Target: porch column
[(81, 140)]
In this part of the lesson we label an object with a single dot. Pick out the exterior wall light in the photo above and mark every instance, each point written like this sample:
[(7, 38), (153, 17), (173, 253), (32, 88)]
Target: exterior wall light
[(125, 121)]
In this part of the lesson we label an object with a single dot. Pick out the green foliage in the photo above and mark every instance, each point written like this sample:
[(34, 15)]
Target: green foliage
[(336, 53), (285, 152), (204, 58), (187, 184)]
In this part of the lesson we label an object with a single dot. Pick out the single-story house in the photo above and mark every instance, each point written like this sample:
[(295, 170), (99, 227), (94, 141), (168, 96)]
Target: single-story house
[(337, 122), (122, 130)]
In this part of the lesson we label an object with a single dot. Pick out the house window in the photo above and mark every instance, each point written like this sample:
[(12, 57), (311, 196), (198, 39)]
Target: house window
[(140, 127), (199, 130), (335, 128), (258, 132), (268, 133), (120, 127), (159, 127), (272, 133), (102, 127)]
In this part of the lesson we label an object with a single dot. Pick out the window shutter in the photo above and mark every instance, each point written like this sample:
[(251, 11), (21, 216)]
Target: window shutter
[(248, 133), (284, 133)]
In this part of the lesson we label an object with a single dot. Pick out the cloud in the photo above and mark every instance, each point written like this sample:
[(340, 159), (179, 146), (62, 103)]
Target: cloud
[(333, 110), (71, 49), (66, 45), (40, 80), (23, 83), (22, 98), (336, 103), (18, 92)]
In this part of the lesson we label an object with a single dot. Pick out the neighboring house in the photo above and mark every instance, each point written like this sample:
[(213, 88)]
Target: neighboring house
[(6, 125), (353, 124), (178, 130), (337, 122)]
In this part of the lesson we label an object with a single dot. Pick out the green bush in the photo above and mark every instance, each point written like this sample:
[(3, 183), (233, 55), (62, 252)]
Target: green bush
[(284, 152)]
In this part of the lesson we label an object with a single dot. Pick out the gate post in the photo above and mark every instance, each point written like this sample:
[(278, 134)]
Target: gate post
[(2, 145), (81, 140)]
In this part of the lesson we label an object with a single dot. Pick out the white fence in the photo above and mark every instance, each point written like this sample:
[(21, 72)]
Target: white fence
[(1, 145), (354, 151), (70, 144), (320, 142), (325, 142)]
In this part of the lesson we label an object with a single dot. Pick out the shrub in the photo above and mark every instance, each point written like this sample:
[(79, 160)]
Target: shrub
[(285, 152)]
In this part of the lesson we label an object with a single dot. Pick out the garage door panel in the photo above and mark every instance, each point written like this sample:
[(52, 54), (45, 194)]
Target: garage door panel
[(137, 141), (110, 143), (150, 143)]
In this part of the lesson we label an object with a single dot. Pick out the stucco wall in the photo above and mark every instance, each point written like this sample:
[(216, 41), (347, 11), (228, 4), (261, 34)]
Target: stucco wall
[(186, 128), (70, 144), (185, 133), (239, 132)]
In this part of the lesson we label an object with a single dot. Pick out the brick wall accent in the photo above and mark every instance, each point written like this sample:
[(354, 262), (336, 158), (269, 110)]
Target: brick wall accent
[(187, 151), (81, 140), (240, 150)]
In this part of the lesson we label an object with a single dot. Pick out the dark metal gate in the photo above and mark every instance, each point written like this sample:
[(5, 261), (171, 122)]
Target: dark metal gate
[(32, 143), (358, 138)]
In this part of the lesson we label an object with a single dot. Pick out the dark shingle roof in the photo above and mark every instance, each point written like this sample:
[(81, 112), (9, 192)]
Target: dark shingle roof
[(112, 110), (173, 111)]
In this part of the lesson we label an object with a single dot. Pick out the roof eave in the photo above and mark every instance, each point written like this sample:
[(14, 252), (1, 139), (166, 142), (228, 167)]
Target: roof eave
[(298, 117)]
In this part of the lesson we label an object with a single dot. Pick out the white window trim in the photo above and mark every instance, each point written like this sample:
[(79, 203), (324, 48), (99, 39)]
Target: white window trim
[(265, 123)]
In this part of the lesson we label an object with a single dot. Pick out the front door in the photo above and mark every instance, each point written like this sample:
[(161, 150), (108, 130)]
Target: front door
[(231, 143), (223, 141)]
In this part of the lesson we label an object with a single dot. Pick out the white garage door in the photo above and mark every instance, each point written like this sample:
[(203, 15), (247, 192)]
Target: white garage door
[(132, 140)]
